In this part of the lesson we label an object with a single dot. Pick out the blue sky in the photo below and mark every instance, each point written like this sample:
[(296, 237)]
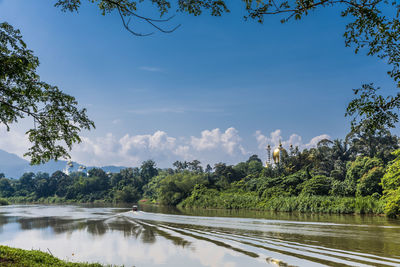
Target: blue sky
[(215, 89)]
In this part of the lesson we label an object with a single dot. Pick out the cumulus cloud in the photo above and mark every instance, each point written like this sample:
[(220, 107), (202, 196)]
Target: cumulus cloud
[(156, 142), (315, 140), (210, 146), (228, 140), (131, 150), (127, 150), (275, 138), (184, 152)]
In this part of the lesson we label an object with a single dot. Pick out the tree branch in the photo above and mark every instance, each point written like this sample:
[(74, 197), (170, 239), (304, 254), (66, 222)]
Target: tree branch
[(121, 9), (34, 115)]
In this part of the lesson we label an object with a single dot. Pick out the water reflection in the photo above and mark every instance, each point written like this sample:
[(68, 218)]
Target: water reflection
[(174, 237)]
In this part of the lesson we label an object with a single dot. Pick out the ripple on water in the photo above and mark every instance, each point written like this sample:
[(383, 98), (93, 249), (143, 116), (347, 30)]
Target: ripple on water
[(119, 236)]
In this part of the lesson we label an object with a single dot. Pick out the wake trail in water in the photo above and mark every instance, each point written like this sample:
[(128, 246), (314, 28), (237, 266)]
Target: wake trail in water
[(257, 238)]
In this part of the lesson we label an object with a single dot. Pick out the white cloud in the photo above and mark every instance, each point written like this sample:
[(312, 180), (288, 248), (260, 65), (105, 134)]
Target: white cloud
[(275, 138), (228, 141), (13, 141), (156, 142), (210, 146), (184, 152), (314, 141), (130, 150)]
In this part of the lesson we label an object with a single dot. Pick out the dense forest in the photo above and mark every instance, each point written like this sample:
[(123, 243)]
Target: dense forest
[(360, 174)]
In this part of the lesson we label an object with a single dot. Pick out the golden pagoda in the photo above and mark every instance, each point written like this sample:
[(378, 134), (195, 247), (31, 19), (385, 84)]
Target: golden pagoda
[(276, 154)]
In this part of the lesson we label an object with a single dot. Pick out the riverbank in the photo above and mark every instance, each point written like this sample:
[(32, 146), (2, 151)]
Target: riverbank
[(213, 199), (35, 258)]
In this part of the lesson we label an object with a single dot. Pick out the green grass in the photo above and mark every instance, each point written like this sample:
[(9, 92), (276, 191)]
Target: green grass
[(213, 199), (34, 258)]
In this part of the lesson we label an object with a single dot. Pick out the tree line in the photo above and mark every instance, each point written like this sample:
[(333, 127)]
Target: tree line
[(336, 176)]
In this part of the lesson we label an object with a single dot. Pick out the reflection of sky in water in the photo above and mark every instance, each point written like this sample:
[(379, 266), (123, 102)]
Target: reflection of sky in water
[(119, 236), (113, 248)]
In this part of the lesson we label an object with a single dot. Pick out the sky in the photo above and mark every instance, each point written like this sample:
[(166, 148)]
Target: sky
[(218, 89)]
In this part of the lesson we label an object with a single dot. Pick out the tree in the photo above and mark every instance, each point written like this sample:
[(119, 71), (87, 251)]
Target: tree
[(42, 186), (56, 117), (6, 189), (372, 142), (317, 185), (369, 183), (128, 194), (254, 158), (364, 169), (129, 9), (371, 110), (391, 187), (61, 182), (195, 166), (254, 168), (180, 165), (222, 170), (174, 188), (148, 170)]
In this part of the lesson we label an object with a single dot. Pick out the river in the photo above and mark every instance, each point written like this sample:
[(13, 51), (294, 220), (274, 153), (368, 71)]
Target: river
[(156, 236)]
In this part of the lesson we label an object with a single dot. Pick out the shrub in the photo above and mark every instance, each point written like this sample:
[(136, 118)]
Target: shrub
[(391, 187), (128, 194), (370, 182), (317, 185), (339, 188)]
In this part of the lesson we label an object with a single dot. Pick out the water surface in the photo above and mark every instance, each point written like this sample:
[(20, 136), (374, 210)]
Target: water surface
[(157, 236)]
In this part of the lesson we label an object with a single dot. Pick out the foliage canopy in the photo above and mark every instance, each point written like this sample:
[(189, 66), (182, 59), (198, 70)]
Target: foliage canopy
[(57, 118)]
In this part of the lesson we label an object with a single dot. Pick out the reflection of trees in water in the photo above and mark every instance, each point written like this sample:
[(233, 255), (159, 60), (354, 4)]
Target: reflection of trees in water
[(96, 227), (58, 225), (155, 229), (5, 220), (144, 231), (148, 235), (130, 228)]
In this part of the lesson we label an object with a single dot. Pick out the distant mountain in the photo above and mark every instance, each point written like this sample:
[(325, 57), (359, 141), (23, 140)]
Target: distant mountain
[(13, 166)]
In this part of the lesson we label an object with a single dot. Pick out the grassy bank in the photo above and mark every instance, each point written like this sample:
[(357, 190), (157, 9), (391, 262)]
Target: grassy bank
[(209, 198), (213, 199), (32, 258)]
